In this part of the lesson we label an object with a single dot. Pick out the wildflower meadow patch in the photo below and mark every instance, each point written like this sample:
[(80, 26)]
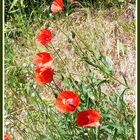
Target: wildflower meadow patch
[(64, 78)]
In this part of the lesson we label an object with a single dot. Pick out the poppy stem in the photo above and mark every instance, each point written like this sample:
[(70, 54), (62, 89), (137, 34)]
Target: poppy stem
[(57, 53), (58, 88), (55, 94)]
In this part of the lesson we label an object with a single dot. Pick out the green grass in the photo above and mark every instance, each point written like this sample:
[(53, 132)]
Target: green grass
[(92, 45)]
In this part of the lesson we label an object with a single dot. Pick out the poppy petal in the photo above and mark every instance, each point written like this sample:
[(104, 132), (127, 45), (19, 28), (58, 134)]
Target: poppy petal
[(44, 37), (88, 118), (57, 6), (67, 102), (44, 75), (43, 59), (7, 137)]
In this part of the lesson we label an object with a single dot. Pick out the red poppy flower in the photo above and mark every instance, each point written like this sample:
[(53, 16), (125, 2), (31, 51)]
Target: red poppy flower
[(7, 137), (67, 102), (88, 118), (43, 75), (57, 6), (44, 37), (43, 59)]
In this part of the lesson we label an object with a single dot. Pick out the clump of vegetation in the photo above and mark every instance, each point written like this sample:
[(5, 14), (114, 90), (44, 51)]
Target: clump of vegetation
[(63, 78)]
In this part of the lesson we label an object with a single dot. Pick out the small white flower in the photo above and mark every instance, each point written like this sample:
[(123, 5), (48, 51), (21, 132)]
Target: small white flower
[(34, 86), (67, 14), (32, 65), (12, 130), (28, 78), (50, 14), (24, 65), (86, 134), (33, 94)]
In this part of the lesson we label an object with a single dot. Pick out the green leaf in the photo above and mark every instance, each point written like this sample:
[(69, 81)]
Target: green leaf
[(14, 3)]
